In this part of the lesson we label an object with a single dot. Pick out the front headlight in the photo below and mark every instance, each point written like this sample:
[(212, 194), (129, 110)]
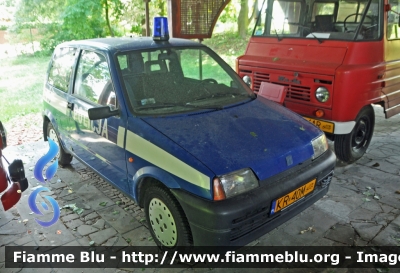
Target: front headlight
[(320, 145), (322, 94), (234, 183)]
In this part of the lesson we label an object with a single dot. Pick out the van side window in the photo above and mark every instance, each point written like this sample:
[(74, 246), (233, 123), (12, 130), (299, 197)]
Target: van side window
[(61, 68), (393, 29), (93, 80)]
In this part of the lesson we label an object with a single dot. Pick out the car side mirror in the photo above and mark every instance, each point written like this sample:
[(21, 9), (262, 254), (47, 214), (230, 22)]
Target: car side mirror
[(102, 112)]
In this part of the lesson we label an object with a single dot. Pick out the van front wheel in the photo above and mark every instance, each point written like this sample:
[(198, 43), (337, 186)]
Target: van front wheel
[(352, 146)]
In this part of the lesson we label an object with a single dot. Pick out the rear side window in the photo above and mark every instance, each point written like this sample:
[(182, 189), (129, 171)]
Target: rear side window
[(93, 78), (61, 68)]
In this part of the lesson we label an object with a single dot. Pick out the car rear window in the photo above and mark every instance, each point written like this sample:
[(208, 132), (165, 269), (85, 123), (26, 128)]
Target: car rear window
[(61, 68)]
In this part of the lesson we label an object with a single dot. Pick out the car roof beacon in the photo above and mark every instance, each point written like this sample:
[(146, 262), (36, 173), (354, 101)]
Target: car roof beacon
[(160, 29)]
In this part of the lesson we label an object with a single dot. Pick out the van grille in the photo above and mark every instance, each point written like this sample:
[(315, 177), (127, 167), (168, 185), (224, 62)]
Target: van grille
[(298, 92), (258, 79), (294, 92)]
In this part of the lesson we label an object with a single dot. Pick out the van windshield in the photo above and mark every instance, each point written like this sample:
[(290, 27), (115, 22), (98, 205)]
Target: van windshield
[(328, 19), (173, 80)]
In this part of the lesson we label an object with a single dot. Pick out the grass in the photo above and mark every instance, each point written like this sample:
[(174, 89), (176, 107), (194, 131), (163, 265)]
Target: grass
[(22, 78), (228, 45), (21, 85)]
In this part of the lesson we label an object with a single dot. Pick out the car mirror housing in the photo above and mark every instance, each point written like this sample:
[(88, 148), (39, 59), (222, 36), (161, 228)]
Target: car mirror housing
[(102, 112)]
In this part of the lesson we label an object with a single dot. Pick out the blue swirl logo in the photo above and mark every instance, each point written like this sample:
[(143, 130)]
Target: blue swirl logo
[(35, 209), (52, 169), (50, 172)]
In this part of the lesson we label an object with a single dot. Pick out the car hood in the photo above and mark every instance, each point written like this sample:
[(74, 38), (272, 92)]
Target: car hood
[(260, 135)]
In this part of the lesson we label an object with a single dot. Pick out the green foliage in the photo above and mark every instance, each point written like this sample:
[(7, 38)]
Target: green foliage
[(229, 14), (82, 19)]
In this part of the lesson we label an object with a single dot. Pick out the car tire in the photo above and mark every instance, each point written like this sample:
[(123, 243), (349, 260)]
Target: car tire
[(167, 222), (352, 146), (64, 158)]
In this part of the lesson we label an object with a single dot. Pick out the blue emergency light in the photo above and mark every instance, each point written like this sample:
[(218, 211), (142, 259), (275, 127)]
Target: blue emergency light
[(160, 29)]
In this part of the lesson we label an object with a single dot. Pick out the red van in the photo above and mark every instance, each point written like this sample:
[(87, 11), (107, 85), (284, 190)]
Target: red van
[(335, 58)]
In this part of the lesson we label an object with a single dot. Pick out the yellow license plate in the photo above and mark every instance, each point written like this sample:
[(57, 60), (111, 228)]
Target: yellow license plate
[(325, 126), (292, 197)]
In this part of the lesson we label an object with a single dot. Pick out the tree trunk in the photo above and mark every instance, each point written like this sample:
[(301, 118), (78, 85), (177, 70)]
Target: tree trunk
[(107, 18), (243, 19)]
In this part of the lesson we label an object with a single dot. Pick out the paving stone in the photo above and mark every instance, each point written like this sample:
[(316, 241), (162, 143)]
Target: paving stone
[(86, 229), (313, 222), (362, 214), (70, 217), (24, 240), (116, 241), (336, 209), (103, 235), (57, 234), (139, 237), (91, 216), (99, 224), (91, 196), (118, 219), (74, 223), (13, 227), (342, 234), (367, 231)]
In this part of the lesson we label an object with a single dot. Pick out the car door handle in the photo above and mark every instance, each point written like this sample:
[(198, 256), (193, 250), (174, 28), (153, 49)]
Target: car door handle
[(70, 105)]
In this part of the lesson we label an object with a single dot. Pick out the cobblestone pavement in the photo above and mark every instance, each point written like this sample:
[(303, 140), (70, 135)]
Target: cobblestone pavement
[(362, 208)]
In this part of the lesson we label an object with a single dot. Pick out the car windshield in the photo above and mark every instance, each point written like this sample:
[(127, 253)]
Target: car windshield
[(320, 19), (174, 80)]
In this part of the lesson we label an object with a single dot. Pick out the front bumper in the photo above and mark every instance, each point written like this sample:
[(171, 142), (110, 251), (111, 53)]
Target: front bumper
[(239, 220)]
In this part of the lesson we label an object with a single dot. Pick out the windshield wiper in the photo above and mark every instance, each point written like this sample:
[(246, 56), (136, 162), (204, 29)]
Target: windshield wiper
[(170, 104), (318, 39), (279, 38)]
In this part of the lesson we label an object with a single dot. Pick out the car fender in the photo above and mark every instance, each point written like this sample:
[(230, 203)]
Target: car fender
[(48, 117), (152, 172)]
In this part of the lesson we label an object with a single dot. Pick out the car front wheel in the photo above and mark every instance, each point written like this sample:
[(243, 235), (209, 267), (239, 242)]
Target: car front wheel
[(64, 158), (167, 222), (352, 147)]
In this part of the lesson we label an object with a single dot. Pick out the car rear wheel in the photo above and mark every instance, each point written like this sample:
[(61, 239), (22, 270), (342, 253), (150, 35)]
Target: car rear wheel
[(64, 158), (352, 147), (167, 222)]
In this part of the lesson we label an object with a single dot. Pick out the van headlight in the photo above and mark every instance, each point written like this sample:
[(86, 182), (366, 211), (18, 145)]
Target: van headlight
[(322, 94), (247, 80), (234, 183), (320, 145)]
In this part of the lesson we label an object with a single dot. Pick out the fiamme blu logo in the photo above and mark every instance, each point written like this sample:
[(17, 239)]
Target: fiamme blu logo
[(49, 174)]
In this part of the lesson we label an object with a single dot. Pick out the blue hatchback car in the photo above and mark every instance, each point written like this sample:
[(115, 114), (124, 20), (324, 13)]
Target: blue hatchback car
[(171, 125)]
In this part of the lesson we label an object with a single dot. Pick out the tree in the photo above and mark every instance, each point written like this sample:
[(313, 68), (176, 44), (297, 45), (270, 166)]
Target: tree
[(243, 17)]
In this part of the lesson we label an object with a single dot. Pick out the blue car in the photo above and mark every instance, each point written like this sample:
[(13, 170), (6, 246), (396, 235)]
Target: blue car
[(171, 125)]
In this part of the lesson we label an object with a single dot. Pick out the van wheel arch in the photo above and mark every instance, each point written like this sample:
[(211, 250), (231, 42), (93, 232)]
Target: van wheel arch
[(351, 147)]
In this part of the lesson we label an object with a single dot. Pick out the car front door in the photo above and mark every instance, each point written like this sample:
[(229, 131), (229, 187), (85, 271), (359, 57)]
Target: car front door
[(95, 142)]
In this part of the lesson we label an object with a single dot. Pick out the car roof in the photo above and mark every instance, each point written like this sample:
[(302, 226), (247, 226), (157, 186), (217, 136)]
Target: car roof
[(129, 43)]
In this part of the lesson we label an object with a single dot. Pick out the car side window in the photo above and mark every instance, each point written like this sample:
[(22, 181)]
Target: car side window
[(61, 68), (93, 80)]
